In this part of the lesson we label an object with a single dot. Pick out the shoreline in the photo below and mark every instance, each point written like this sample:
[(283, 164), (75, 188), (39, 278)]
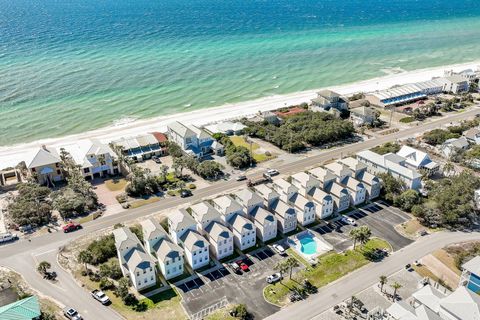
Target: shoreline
[(11, 155)]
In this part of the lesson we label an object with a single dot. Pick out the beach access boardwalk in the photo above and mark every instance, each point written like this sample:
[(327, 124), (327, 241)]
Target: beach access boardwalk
[(21, 256)]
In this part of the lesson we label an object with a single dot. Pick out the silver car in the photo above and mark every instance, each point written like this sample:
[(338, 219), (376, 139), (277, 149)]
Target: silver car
[(274, 278)]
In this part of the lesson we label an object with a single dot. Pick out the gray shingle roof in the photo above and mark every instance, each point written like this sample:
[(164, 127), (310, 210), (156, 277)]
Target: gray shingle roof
[(167, 249), (180, 219), (43, 157), (192, 241)]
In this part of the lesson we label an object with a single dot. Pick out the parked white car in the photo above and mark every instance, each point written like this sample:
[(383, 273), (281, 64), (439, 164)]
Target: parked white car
[(7, 237), (272, 172), (349, 220), (72, 314), (279, 249), (274, 278)]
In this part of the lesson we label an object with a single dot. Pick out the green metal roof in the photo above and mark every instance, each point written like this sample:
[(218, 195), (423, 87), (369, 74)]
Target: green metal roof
[(25, 309)]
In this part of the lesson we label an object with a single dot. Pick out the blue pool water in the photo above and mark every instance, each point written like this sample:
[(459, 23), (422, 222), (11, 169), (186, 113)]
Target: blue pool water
[(308, 245)]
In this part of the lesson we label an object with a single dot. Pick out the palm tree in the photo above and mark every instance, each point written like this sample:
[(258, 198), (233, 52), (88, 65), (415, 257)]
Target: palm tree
[(383, 281), (395, 286), (448, 168), (291, 263), (43, 267), (364, 234), (281, 267), (85, 257), (163, 172), (354, 235)]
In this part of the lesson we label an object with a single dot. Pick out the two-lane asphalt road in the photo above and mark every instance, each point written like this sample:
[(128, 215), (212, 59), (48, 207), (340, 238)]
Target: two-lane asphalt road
[(20, 255)]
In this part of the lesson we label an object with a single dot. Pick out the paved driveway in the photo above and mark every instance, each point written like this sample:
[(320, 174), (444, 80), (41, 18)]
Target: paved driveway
[(382, 219), (223, 283)]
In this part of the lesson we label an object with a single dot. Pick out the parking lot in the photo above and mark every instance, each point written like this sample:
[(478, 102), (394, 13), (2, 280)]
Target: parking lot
[(378, 216), (246, 287)]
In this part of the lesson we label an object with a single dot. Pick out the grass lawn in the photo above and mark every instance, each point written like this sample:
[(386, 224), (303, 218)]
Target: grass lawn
[(407, 120), (412, 227), (161, 306), (330, 267), (221, 314), (116, 184), (84, 219), (293, 253), (447, 260), (139, 203), (259, 156)]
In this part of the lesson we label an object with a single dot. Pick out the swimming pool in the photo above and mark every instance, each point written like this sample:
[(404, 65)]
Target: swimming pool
[(309, 244)]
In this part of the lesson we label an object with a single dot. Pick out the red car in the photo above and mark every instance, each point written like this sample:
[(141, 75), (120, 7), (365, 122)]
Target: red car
[(242, 265), (71, 226)]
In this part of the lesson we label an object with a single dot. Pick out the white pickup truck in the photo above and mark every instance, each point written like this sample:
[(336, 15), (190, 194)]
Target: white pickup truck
[(100, 296), (7, 237)]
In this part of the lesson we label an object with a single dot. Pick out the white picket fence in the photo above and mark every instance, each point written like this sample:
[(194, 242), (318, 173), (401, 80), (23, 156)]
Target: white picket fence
[(214, 307)]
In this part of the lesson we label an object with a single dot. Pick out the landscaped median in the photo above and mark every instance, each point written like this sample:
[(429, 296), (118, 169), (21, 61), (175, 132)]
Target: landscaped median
[(330, 267)]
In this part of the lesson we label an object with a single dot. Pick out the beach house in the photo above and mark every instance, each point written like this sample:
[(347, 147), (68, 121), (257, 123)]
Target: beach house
[(417, 159), (179, 222), (371, 182), (286, 216), (244, 233), (395, 96), (196, 249), (227, 207), (94, 158), (204, 213), (393, 164), (455, 84), (265, 224), (24, 309), (433, 302), (248, 199), (470, 277), (453, 146), (228, 128), (220, 239), (44, 166), (140, 147), (135, 263), (193, 140), (363, 115), (473, 135), (326, 100), (169, 255)]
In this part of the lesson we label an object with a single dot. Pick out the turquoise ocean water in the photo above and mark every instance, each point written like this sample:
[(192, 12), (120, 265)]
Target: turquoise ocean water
[(75, 65)]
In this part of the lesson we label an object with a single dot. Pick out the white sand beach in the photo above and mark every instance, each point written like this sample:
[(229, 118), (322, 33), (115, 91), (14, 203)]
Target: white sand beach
[(12, 155)]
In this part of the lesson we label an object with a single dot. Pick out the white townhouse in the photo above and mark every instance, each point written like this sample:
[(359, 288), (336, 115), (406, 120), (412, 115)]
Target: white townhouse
[(244, 232), (305, 182), (94, 158), (179, 222), (269, 195), (135, 263), (358, 192), (248, 199), (168, 254), (340, 170), (220, 238), (227, 207), (265, 224), (286, 216), (204, 214), (325, 203), (306, 209), (284, 187), (340, 194), (44, 166), (324, 176), (193, 140), (196, 249), (371, 182), (393, 164)]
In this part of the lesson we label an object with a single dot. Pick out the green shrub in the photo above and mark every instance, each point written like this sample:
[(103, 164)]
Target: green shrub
[(171, 193), (192, 186), (407, 120), (106, 284), (121, 198)]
